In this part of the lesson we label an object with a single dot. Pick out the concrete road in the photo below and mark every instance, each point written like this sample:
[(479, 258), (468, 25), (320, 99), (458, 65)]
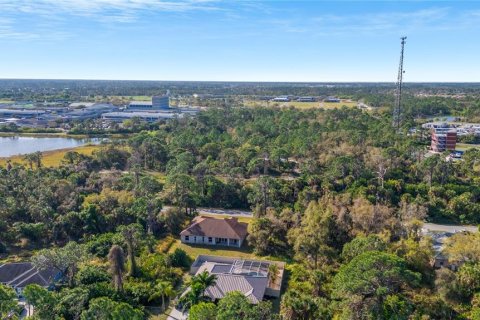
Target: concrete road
[(220, 212), (225, 212), (432, 227)]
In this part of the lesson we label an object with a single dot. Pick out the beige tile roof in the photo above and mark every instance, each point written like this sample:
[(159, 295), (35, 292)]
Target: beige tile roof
[(219, 228)]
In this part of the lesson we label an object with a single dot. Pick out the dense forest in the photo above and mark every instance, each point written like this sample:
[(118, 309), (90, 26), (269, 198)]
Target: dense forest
[(338, 194)]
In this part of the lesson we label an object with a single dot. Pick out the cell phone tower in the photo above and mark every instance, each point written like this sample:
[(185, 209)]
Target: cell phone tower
[(397, 108)]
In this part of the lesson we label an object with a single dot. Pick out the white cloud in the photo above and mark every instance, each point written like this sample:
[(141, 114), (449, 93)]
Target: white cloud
[(98, 6), (9, 30), (53, 15), (381, 22)]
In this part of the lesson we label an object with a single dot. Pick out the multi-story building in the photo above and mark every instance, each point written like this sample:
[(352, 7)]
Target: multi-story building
[(157, 103), (443, 139), (161, 102)]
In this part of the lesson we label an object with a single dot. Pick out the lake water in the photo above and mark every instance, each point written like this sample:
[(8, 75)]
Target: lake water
[(10, 146)]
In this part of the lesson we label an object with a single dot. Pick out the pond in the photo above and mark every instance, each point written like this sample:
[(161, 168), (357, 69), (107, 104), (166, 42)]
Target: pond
[(15, 145)]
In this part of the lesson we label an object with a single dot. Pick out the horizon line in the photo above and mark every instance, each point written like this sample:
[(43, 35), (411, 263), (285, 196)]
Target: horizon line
[(243, 81)]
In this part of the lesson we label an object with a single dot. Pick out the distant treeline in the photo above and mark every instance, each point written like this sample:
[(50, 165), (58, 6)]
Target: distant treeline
[(73, 90)]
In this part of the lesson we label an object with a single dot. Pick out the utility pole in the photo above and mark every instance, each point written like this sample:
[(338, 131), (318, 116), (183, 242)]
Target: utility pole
[(397, 108)]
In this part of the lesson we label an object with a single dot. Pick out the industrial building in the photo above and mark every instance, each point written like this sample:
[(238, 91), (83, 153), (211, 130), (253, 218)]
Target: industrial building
[(89, 112), (463, 128), (81, 104), (151, 111), (21, 113), (443, 139), (306, 99), (332, 99), (146, 116), (281, 99), (155, 110)]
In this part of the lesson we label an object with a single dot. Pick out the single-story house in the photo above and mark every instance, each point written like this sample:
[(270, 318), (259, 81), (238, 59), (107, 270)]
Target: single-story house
[(215, 232), (252, 278), (18, 275), (441, 260)]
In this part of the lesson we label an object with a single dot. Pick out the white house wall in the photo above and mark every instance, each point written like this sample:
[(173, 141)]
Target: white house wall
[(204, 241)]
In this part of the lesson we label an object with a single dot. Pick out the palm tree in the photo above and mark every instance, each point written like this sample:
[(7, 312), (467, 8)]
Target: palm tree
[(29, 158), (37, 157), (205, 280), (192, 296), (198, 285), (272, 273), (163, 289), (131, 234), (117, 266)]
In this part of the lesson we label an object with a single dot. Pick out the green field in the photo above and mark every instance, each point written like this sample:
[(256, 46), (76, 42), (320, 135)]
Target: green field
[(160, 176), (301, 105), (466, 146)]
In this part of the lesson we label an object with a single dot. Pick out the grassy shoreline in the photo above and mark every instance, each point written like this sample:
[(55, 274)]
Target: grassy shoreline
[(63, 135), (52, 158)]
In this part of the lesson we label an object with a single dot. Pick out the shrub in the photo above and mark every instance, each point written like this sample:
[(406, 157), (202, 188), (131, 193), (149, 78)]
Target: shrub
[(138, 292), (91, 274), (180, 259), (100, 245), (3, 248), (166, 244)]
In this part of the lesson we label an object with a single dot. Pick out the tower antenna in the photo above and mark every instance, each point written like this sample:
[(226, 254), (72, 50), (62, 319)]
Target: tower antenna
[(397, 108)]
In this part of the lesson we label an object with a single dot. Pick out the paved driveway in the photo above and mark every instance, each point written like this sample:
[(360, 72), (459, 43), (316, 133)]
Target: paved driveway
[(220, 212), (225, 212), (432, 227), (177, 315)]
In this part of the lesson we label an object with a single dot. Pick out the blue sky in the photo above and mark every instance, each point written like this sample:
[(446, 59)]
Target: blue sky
[(239, 40)]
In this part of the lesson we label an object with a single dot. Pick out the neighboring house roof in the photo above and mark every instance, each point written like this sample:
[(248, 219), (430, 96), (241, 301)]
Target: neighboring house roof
[(252, 287), (21, 274), (218, 228)]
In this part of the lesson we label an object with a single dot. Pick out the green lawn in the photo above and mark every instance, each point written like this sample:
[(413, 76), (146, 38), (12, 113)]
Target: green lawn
[(162, 316), (160, 176), (303, 105), (245, 251), (466, 146), (195, 250)]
